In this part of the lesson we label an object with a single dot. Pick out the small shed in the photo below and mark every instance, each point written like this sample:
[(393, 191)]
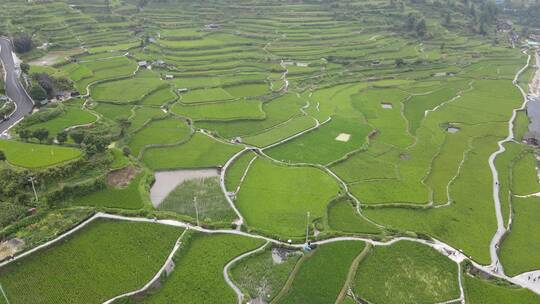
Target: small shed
[(143, 64), (182, 90), (212, 26), (169, 77)]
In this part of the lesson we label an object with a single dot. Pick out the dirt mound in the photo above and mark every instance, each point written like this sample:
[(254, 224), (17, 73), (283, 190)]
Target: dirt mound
[(9, 248), (121, 177)]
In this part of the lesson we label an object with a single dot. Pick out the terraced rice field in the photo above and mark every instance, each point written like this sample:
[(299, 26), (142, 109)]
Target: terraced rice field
[(100, 262), (372, 144)]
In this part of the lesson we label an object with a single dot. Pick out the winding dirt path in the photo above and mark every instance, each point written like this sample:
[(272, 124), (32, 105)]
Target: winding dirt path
[(501, 228)]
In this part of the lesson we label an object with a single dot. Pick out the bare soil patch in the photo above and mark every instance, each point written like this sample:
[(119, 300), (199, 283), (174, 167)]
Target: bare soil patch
[(121, 177), (10, 247), (344, 137)]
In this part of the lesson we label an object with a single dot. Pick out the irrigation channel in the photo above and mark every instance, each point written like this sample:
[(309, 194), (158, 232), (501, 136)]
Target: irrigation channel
[(494, 269)]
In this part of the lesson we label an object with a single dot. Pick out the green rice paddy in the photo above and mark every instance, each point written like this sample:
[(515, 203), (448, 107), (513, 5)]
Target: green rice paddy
[(350, 121)]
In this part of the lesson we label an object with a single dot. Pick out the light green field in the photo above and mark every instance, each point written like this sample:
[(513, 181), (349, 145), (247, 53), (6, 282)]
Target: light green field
[(205, 95), (237, 169), (342, 216), (408, 120), (517, 249), (105, 259), (250, 109), (144, 115), (207, 194), (278, 203), (406, 272), (479, 291), (200, 151), (33, 156), (321, 146), (198, 274), (280, 132), (72, 116), (524, 175), (128, 90), (159, 97), (128, 197), (159, 132), (277, 111), (313, 284), (261, 276)]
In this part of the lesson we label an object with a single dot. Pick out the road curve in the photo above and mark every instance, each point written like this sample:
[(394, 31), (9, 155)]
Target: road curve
[(14, 88)]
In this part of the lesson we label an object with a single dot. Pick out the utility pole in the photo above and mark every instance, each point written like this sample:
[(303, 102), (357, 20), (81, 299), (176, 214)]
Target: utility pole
[(307, 227), (32, 179), (196, 209)]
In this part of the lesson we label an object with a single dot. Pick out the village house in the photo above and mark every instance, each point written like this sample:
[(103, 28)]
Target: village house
[(212, 26), (504, 25), (143, 64)]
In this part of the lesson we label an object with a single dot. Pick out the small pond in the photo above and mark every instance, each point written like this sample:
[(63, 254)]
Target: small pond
[(167, 181)]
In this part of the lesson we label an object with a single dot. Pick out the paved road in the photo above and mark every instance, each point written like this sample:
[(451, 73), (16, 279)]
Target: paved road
[(14, 88)]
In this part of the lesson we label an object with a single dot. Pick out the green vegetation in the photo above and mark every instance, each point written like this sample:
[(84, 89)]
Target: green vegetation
[(33, 156), (160, 132), (322, 146), (262, 274), (478, 291), (278, 203), (402, 103), (524, 175), (250, 109), (280, 132), (72, 115), (128, 90), (198, 274), (343, 217), (313, 283), (119, 159), (407, 272), (105, 259), (127, 197), (207, 194), (237, 170), (518, 249), (200, 151)]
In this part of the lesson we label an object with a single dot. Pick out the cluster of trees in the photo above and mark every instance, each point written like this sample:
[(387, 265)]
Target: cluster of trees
[(40, 134), (22, 44), (14, 186), (414, 23), (91, 143), (525, 13), (45, 86), (471, 15)]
